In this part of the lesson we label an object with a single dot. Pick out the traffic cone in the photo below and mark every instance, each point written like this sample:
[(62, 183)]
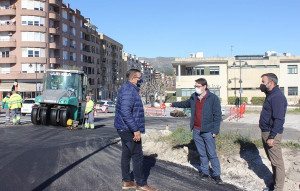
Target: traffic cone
[(95, 113)]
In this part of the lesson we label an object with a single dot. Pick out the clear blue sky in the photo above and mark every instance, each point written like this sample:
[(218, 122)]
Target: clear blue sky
[(176, 28)]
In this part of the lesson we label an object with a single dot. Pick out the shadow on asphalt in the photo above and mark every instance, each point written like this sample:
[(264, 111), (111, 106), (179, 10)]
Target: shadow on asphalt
[(250, 153), (149, 162), (50, 180)]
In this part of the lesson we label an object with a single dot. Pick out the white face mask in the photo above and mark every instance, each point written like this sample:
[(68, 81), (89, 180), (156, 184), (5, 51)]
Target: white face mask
[(198, 91)]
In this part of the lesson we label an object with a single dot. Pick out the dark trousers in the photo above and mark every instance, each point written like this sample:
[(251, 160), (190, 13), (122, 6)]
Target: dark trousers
[(131, 150)]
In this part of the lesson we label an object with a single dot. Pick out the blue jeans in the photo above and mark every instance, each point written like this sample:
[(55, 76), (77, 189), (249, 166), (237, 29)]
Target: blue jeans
[(132, 150), (206, 146)]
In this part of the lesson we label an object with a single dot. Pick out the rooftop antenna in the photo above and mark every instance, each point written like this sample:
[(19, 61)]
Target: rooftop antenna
[(231, 50)]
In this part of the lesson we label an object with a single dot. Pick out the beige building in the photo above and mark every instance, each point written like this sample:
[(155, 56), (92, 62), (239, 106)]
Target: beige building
[(224, 75), (112, 66), (36, 35)]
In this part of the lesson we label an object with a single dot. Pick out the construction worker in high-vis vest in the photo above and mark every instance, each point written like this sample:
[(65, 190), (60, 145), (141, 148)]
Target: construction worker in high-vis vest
[(15, 104), (89, 112), (5, 107)]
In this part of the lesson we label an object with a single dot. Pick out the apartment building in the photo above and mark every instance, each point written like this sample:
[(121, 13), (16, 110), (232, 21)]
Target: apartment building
[(232, 76), (131, 61), (36, 35), (112, 66)]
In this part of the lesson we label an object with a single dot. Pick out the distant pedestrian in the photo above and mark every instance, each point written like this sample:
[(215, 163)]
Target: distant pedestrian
[(5, 108), (130, 123), (89, 112), (271, 122), (15, 104), (237, 102), (205, 123)]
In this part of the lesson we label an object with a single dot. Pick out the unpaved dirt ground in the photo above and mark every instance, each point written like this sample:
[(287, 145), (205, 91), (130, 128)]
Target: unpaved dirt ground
[(247, 169)]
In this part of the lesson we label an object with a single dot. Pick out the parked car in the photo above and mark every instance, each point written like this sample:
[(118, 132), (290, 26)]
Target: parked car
[(100, 107), (27, 106), (105, 106)]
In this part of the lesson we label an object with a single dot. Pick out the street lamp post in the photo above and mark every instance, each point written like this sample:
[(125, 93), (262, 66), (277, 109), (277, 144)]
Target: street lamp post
[(240, 81), (35, 76)]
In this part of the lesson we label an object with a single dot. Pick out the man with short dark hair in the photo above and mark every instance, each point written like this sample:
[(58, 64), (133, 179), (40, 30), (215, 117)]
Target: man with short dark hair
[(205, 123), (130, 123), (271, 122)]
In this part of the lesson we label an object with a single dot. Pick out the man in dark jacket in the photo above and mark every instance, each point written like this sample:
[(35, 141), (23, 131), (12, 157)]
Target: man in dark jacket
[(130, 123), (271, 122), (206, 117)]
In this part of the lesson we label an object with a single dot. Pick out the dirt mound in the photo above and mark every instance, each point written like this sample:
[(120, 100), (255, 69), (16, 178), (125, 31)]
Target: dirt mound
[(247, 169)]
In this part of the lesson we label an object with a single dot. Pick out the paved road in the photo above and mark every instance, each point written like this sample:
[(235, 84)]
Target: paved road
[(53, 158)]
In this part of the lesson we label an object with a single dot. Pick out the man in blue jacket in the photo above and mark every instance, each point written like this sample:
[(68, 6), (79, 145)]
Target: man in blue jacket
[(271, 122), (205, 123), (130, 123)]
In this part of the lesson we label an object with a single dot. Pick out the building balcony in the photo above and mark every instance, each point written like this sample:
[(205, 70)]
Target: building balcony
[(54, 61), (33, 44), (8, 60), (55, 2), (7, 28), (33, 28), (54, 45), (41, 60), (6, 11), (10, 43), (53, 30), (54, 16), (28, 12)]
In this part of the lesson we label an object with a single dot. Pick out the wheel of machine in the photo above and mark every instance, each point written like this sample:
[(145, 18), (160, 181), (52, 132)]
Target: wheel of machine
[(34, 116), (53, 116), (64, 116), (44, 114)]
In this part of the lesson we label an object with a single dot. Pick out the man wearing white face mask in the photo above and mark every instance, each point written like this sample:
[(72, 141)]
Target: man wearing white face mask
[(205, 123)]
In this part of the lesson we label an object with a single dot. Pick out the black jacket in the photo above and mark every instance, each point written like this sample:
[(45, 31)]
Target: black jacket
[(272, 116)]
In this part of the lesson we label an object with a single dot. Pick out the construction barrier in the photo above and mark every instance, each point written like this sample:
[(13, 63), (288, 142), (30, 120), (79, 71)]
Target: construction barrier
[(236, 112), (153, 111)]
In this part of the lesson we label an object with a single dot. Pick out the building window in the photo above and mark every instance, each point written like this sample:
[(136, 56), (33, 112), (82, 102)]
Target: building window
[(30, 20), (33, 5), (194, 71), (282, 89), (65, 14), (30, 53), (36, 53), (187, 92), (65, 41), (216, 91), (292, 69), (214, 70), (33, 52), (65, 55), (65, 28), (292, 91), (33, 36)]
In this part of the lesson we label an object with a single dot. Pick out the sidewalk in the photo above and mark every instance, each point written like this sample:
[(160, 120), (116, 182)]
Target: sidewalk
[(291, 120)]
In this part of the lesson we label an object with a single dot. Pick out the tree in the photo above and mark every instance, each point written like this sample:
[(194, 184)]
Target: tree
[(154, 87)]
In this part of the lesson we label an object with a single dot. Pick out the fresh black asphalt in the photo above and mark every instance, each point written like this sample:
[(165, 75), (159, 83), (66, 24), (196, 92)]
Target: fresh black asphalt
[(54, 158)]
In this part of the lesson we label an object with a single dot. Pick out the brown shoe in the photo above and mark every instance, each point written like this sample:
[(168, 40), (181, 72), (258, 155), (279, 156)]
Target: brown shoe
[(128, 185), (145, 188)]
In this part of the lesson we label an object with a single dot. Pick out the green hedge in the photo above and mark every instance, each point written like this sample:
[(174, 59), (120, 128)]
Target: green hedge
[(231, 100), (183, 98), (258, 100), (170, 99)]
